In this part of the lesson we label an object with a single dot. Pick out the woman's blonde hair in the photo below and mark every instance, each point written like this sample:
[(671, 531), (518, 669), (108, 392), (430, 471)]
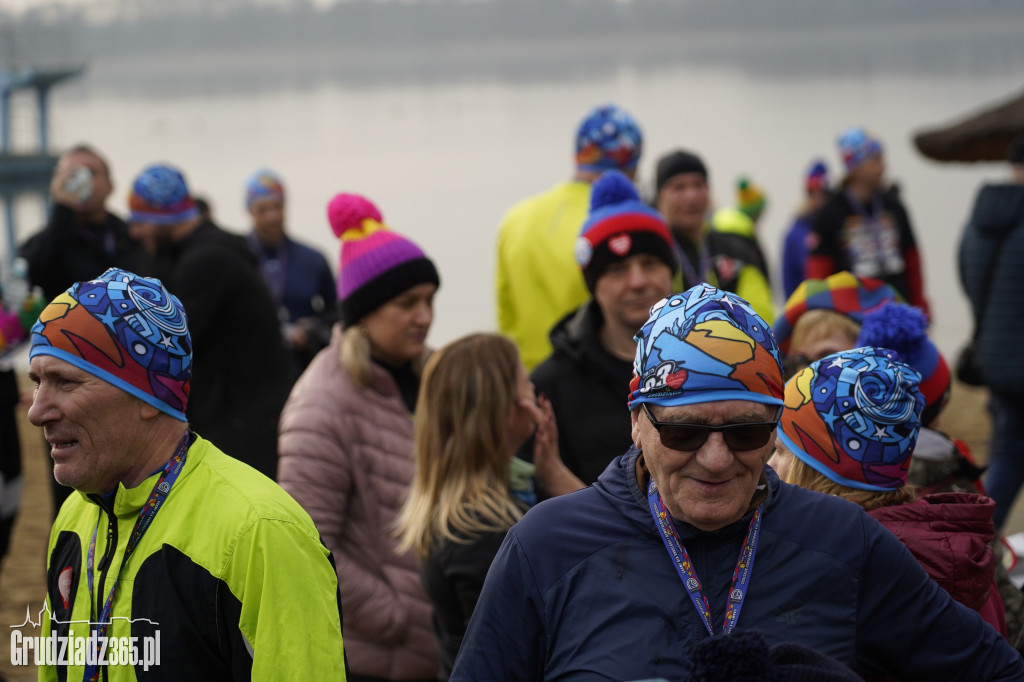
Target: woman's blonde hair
[(357, 356), (461, 485), (821, 323), (807, 477)]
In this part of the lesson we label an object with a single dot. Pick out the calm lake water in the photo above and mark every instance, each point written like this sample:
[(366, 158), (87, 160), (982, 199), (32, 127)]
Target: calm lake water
[(444, 157)]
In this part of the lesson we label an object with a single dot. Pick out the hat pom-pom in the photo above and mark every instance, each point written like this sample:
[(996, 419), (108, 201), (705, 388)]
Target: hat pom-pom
[(896, 326), (348, 211), (613, 187)]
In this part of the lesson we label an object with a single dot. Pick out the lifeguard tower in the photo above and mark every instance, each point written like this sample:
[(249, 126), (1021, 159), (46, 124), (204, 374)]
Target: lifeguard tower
[(26, 173)]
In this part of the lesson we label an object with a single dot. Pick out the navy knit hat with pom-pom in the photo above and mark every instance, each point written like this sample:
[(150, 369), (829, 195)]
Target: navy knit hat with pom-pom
[(620, 225), (904, 329), (377, 264)]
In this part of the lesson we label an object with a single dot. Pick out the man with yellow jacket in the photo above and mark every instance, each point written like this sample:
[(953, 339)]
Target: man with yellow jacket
[(171, 560), (537, 280)]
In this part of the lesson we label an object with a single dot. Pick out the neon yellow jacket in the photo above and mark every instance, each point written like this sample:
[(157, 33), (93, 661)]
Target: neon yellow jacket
[(231, 571), (731, 241), (537, 279)]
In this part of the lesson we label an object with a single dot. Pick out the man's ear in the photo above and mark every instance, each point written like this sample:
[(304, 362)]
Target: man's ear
[(634, 416), (147, 411)]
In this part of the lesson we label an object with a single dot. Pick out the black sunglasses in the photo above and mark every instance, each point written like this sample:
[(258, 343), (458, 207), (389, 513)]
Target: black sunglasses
[(690, 437)]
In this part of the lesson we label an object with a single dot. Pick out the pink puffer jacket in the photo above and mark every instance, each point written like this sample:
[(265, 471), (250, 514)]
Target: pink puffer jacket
[(346, 455)]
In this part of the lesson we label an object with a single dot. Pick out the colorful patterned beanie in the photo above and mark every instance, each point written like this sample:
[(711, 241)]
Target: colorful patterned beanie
[(856, 146), (817, 176), (705, 345), (159, 195), (125, 329), (263, 184), (842, 292), (608, 138), (376, 264), (677, 163), (904, 329), (619, 226), (854, 417), (750, 198)]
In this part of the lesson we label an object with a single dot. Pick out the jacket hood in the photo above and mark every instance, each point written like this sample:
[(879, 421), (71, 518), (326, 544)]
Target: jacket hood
[(618, 482), (998, 207), (950, 534)]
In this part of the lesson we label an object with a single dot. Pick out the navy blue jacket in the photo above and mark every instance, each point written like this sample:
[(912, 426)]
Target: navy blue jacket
[(583, 589), (997, 218)]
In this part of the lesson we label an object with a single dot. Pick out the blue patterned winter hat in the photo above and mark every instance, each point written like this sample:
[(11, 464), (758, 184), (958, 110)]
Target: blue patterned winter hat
[(159, 195), (125, 329), (705, 345), (608, 138), (854, 417), (856, 146)]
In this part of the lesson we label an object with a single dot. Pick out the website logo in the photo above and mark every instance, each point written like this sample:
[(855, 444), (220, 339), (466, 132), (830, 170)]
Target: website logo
[(85, 647)]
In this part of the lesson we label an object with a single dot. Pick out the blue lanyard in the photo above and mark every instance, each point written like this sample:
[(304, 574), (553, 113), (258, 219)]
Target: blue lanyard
[(687, 573), (149, 510), (692, 278)]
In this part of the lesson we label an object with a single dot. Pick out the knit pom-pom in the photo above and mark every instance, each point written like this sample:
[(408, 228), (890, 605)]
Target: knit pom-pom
[(898, 326), (348, 211), (612, 188), (743, 655)]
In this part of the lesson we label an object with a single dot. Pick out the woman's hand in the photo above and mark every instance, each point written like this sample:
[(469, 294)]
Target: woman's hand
[(551, 471)]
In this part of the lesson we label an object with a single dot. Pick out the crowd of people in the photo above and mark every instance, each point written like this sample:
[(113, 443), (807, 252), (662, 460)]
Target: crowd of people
[(274, 465)]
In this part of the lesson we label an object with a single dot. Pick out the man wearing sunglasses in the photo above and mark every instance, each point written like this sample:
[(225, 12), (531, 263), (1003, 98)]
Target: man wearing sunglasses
[(689, 535)]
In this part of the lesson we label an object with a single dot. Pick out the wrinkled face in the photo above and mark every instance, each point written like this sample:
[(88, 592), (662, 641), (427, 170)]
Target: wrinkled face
[(95, 430), (628, 288), (521, 424), (101, 184), (683, 201), (711, 487), (398, 329), (268, 219)]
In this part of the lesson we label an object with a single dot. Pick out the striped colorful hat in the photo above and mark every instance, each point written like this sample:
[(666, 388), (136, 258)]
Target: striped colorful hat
[(620, 225), (842, 292), (125, 329), (159, 195), (854, 417), (376, 263), (705, 345)]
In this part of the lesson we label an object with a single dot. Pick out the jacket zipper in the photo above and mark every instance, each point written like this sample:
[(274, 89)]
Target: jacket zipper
[(108, 555)]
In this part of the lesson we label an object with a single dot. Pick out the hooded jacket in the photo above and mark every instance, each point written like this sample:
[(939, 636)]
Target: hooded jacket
[(588, 387), (992, 257), (951, 535), (583, 589)]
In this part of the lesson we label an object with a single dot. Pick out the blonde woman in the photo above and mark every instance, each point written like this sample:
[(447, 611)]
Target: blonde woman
[(346, 442), (476, 408)]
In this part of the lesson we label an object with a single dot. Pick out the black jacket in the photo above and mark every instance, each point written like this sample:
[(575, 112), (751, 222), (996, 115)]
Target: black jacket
[(66, 251), (588, 387), (992, 258), (240, 373)]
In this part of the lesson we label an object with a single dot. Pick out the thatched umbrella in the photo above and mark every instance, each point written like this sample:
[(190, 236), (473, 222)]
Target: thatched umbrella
[(984, 135)]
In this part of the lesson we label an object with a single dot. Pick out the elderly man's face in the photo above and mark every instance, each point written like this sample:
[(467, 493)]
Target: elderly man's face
[(710, 487), (94, 429)]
